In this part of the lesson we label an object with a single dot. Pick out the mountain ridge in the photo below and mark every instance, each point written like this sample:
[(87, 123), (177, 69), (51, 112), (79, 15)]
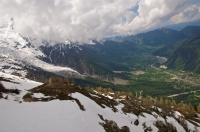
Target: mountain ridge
[(59, 101), (163, 36), (22, 53), (168, 50), (186, 57)]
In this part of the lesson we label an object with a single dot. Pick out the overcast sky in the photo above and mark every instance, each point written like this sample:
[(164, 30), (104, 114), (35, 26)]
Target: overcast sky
[(80, 20)]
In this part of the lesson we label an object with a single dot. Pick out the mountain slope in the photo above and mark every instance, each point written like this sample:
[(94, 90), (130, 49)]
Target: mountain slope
[(61, 106), (159, 37), (190, 30), (77, 57), (16, 53), (187, 55), (168, 50), (99, 59)]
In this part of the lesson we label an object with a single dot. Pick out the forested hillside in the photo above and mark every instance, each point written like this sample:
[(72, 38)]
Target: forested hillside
[(187, 56)]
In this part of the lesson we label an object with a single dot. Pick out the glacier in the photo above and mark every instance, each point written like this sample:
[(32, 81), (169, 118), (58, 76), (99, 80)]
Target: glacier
[(17, 52)]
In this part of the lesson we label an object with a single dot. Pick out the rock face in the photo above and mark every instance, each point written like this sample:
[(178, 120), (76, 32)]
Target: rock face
[(111, 126), (1, 96), (136, 122), (165, 127), (2, 89)]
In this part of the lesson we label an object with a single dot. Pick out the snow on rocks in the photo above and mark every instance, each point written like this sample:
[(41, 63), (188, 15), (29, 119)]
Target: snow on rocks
[(57, 115), (20, 83), (178, 114), (15, 50), (39, 95), (179, 128)]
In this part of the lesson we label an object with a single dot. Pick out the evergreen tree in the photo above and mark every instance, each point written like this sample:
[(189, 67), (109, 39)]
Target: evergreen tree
[(130, 94), (72, 82), (50, 80), (161, 101), (156, 101), (110, 90), (173, 103), (167, 102), (180, 104), (198, 108), (66, 80)]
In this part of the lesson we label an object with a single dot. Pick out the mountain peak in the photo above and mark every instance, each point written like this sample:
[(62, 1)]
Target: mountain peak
[(161, 36), (8, 37), (20, 50), (6, 22), (165, 30)]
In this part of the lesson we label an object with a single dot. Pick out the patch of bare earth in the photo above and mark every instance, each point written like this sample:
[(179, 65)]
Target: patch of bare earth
[(137, 72), (114, 81), (120, 81)]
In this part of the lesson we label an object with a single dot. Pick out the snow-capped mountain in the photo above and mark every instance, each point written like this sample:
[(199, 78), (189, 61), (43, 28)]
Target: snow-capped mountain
[(17, 52), (20, 55)]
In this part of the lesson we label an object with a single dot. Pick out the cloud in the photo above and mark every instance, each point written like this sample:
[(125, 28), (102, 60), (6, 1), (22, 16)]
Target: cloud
[(190, 14), (80, 20), (159, 13)]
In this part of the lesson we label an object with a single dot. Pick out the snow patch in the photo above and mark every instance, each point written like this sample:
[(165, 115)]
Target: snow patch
[(39, 95)]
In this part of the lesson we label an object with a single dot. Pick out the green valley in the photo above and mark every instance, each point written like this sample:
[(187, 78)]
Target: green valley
[(143, 73)]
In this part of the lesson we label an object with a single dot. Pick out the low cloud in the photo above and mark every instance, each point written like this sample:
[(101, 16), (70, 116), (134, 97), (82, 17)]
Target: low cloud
[(190, 14), (80, 20)]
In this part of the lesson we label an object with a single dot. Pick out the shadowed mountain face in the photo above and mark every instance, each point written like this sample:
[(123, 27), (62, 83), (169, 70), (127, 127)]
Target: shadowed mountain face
[(187, 56), (102, 59), (168, 50), (190, 30), (99, 59), (75, 57), (162, 36)]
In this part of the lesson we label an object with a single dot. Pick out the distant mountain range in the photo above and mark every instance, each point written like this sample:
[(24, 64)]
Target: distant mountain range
[(183, 54), (190, 30), (168, 50), (163, 36), (99, 59)]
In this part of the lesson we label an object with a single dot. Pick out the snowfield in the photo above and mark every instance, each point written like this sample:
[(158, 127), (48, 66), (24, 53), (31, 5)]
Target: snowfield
[(64, 116), (23, 84)]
